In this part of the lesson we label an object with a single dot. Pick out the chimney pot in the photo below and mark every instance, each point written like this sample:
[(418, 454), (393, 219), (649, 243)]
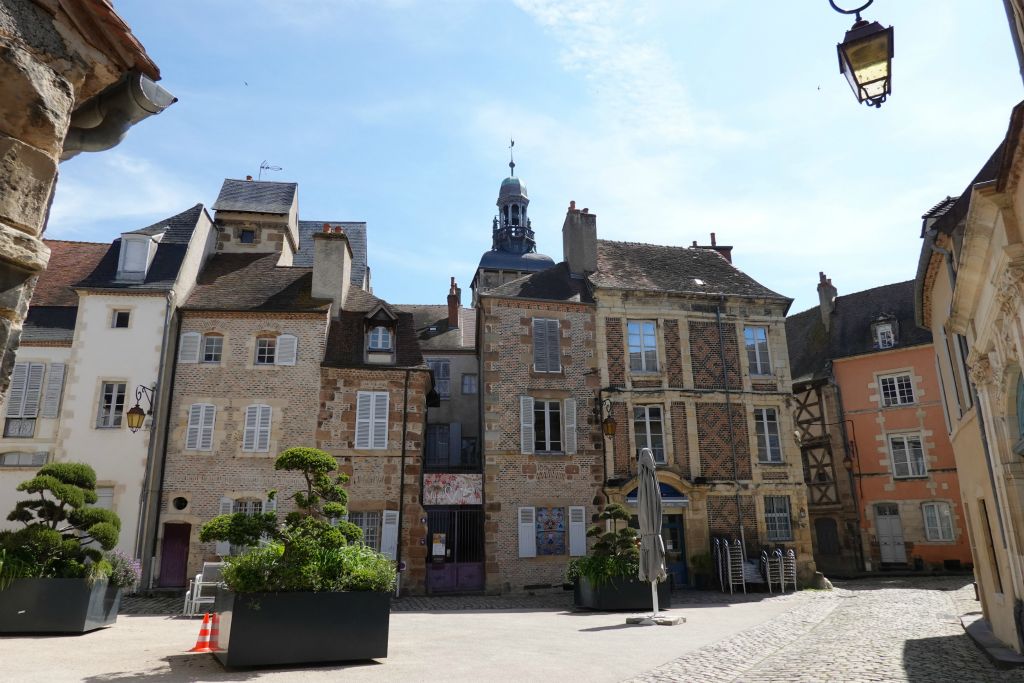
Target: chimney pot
[(248, 177), (695, 243), (572, 205), (826, 299), (454, 303), (713, 242)]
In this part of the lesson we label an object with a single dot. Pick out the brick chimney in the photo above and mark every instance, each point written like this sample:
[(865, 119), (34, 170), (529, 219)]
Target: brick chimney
[(454, 303), (332, 267), (725, 251), (826, 299), (579, 240)]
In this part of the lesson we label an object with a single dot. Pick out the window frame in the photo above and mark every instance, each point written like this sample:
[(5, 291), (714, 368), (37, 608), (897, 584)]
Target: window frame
[(939, 508), (115, 315), (647, 434), (773, 517), (547, 412), (756, 365), (907, 438), (380, 331), (764, 446), (363, 520), (442, 380), (897, 390), (268, 341), (476, 383), (880, 328), (204, 352), (115, 418), (642, 337)]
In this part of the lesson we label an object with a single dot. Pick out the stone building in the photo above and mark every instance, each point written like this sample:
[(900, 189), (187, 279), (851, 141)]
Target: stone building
[(969, 286), (281, 345), (878, 462), (73, 78)]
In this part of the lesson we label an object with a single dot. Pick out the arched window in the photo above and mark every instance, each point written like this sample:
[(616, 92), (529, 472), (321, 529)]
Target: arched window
[(515, 214)]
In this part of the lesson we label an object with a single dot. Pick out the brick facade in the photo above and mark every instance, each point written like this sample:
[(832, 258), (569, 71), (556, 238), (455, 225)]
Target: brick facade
[(680, 440), (706, 355), (716, 451), (615, 343), (673, 354)]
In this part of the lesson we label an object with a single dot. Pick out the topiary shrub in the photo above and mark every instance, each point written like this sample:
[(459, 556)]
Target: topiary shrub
[(308, 552), (61, 530), (614, 554)]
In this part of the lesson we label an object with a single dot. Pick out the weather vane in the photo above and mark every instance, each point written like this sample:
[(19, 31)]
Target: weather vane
[(511, 160)]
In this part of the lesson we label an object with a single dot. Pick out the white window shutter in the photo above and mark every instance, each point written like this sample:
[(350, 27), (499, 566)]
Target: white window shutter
[(287, 349), (33, 389), (380, 420), (540, 345), (526, 435), (389, 534), (195, 419), (569, 424), (527, 532), (270, 505), (263, 429), (577, 531), (53, 391), (249, 430), (188, 347), (364, 413), (227, 506), (16, 394), (554, 349), (206, 427)]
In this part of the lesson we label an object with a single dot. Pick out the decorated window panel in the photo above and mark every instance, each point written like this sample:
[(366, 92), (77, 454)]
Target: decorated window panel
[(550, 526)]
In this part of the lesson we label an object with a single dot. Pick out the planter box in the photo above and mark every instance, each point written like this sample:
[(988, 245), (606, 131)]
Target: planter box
[(57, 606), (622, 594), (272, 629)]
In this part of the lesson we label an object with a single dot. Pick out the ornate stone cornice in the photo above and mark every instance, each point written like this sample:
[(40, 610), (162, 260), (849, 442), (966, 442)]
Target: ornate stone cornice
[(981, 370), (1010, 289)]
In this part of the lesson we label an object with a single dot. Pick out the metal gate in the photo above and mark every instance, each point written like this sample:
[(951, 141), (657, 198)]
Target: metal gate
[(455, 540)]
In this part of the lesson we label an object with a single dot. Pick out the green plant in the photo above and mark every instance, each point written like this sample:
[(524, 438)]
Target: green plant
[(125, 571), (63, 536), (614, 553), (308, 552)]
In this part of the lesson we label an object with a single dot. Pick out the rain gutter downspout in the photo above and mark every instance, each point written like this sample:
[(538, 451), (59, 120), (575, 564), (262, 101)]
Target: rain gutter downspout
[(728, 414), (841, 418), (401, 479)]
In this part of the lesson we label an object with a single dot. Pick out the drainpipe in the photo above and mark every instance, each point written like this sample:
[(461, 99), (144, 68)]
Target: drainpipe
[(841, 418), (401, 479), (728, 415)]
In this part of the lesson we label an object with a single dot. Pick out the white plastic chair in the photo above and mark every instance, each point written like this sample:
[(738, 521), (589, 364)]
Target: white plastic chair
[(201, 589)]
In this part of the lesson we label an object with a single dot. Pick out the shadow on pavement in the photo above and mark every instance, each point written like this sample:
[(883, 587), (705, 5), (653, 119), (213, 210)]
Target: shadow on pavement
[(883, 582), (203, 667)]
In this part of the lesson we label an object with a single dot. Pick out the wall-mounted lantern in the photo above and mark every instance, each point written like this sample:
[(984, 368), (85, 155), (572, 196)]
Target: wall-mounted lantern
[(865, 57)]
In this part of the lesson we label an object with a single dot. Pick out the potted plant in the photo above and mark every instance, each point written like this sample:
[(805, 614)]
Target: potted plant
[(701, 564), (608, 578), (54, 574), (307, 590)]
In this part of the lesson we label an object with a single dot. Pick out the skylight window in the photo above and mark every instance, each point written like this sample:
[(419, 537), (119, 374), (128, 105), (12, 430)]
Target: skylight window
[(697, 281)]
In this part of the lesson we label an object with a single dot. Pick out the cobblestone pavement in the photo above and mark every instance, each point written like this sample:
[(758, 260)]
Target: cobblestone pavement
[(868, 630)]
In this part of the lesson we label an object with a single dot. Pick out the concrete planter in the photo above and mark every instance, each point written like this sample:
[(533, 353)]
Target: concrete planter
[(57, 606), (621, 594), (273, 629)]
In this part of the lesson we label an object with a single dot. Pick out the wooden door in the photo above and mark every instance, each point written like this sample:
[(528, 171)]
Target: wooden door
[(174, 555), (889, 530)]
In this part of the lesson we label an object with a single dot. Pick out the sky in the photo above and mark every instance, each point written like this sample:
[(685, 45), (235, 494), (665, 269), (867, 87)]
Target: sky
[(668, 119)]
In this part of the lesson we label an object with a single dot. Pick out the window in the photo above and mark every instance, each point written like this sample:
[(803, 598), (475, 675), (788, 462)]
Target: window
[(469, 384), (23, 400), (470, 454), (247, 507), (104, 497), (766, 424), (199, 433), (372, 419), (897, 390), (111, 405), (266, 350), (442, 376), (885, 337), (213, 348), (247, 236), (120, 319), (550, 526), (134, 255), (777, 519), (643, 345), (547, 426), (547, 355), (21, 459), (907, 456), (380, 339), (370, 523), (256, 431), (647, 426), (756, 340), (938, 522), (546, 531), (438, 453)]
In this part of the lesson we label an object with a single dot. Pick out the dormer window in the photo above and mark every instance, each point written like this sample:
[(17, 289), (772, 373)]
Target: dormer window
[(380, 339), (247, 236), (885, 335), (135, 257)]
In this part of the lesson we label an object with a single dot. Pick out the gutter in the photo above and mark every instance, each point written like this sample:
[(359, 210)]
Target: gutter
[(401, 481)]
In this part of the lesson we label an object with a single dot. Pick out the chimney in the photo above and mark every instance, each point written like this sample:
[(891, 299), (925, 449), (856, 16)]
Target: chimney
[(579, 240), (826, 299), (454, 303), (249, 178), (725, 251), (332, 267)]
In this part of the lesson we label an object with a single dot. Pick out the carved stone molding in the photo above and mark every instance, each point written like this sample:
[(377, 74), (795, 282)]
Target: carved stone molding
[(981, 371), (1010, 289)]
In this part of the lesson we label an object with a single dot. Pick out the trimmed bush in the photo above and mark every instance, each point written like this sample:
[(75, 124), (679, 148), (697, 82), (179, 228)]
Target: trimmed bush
[(615, 553)]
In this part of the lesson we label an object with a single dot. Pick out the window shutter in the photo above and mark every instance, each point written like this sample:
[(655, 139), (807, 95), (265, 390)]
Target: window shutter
[(577, 531), (526, 425), (569, 421), (455, 442), (249, 430), (195, 419), (16, 395), (527, 532), (188, 347), (379, 436), (287, 349), (206, 429), (136, 253), (389, 534), (33, 389), (53, 391), (227, 506), (363, 416), (540, 345), (554, 350), (270, 505), (263, 429)]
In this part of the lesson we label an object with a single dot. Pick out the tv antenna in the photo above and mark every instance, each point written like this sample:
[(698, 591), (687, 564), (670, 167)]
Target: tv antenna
[(264, 166)]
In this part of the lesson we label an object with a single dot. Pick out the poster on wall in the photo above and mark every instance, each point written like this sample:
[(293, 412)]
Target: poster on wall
[(452, 489), (437, 549)]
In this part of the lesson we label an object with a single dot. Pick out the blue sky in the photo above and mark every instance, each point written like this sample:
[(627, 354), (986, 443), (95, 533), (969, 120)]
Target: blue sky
[(669, 120)]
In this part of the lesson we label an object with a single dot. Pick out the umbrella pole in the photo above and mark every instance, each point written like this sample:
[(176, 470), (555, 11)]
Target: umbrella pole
[(654, 598)]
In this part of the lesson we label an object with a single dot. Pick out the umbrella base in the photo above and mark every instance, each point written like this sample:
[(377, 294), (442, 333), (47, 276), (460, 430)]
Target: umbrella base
[(660, 620)]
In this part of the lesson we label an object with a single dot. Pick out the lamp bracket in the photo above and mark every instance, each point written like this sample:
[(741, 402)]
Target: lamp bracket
[(851, 11), (143, 390)]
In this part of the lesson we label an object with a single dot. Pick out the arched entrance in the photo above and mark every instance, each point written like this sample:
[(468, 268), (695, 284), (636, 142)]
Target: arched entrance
[(673, 530)]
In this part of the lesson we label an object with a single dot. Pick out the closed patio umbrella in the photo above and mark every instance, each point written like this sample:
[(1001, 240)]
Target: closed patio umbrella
[(652, 548)]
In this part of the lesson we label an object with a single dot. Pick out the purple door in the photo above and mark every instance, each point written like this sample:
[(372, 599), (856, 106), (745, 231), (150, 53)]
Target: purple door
[(455, 538), (174, 555)]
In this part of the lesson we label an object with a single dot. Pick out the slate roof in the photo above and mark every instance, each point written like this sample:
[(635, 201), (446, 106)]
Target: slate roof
[(69, 263), (553, 284), (256, 196), (811, 346), (163, 271), (346, 337), (432, 331), (662, 268), (253, 282), (355, 231), (49, 324)]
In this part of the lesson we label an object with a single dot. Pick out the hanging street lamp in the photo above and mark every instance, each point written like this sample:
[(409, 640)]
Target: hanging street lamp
[(865, 57), (136, 416)]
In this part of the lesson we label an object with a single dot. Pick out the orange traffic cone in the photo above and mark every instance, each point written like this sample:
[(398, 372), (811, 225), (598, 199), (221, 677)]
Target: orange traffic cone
[(215, 632), (203, 642)]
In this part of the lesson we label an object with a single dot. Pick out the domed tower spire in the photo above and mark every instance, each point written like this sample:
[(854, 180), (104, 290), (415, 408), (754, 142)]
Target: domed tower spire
[(512, 231), (511, 158)]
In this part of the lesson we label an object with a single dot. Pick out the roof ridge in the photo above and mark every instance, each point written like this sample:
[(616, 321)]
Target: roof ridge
[(871, 289), (50, 239), (269, 182)]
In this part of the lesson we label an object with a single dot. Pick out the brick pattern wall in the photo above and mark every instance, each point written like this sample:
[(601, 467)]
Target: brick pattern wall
[(724, 517), (706, 356), (616, 348), (673, 354), (764, 386), (623, 452), (680, 443), (774, 474), (647, 384), (713, 434)]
